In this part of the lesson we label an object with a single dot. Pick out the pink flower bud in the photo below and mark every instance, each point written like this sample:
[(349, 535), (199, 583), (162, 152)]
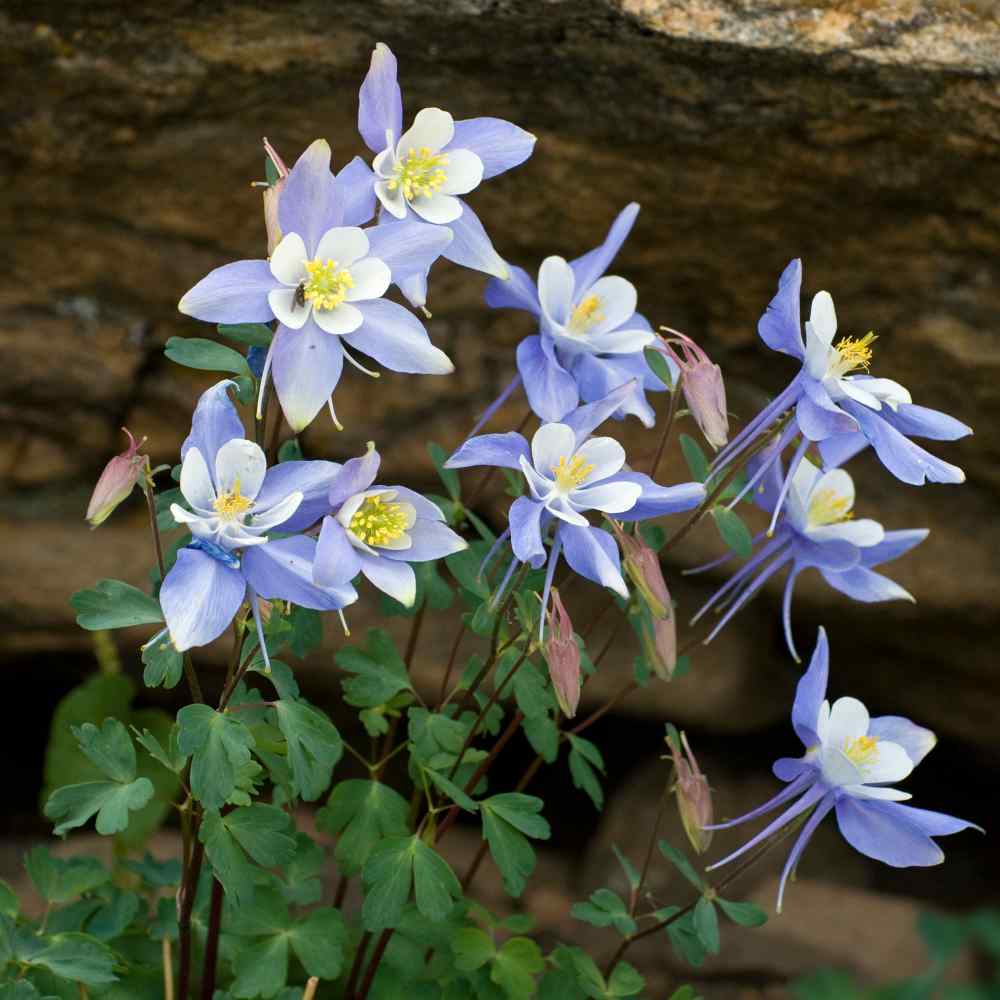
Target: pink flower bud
[(271, 195), (117, 481), (694, 796), (642, 565), (703, 387), (563, 657)]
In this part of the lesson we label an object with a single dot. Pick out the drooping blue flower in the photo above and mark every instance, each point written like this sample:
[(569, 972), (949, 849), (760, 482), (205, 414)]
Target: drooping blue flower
[(325, 283), (234, 501), (833, 405), (378, 531), (590, 338), (568, 474), (423, 170), (850, 761), (816, 529)]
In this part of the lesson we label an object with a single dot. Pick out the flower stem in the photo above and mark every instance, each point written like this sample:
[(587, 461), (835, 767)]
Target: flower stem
[(675, 396), (168, 969), (212, 942), (188, 890)]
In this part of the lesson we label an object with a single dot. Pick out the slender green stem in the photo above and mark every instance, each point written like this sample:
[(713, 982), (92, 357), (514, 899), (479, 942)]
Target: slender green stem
[(212, 942), (359, 958), (675, 396), (189, 888), (650, 848), (452, 658), (147, 489)]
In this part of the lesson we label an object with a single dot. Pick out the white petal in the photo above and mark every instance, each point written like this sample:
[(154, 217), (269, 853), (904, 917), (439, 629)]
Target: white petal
[(243, 461), (838, 769), (541, 487), (437, 208), (889, 763), (392, 200), (400, 544), (385, 161), (848, 721), (344, 244), (863, 532), (550, 443), (611, 498), (432, 128), (196, 481), (823, 317), (620, 341), (876, 792), (884, 389), (863, 396), (371, 277), (463, 172), (276, 514), (618, 299), (605, 454), (803, 482), (831, 495), (555, 288), (287, 261), (287, 311), (344, 319), (819, 354), (182, 516), (561, 508)]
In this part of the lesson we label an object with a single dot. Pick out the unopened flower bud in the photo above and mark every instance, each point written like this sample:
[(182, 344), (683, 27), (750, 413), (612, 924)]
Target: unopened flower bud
[(694, 796), (703, 387), (272, 193), (117, 481), (563, 657), (642, 565)]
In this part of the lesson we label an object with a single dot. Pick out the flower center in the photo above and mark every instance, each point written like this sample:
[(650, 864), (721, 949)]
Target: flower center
[(586, 314), (232, 505), (828, 507), (853, 353), (327, 285), (571, 474), (419, 173), (863, 750), (379, 521)]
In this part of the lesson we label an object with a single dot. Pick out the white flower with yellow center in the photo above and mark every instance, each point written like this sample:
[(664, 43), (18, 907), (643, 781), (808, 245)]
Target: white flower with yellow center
[(326, 285), (568, 480), (376, 519), (421, 171)]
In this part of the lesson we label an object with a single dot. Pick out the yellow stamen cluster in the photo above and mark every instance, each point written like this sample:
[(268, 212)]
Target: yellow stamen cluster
[(586, 314), (229, 506), (571, 474), (419, 173), (863, 750), (829, 507), (379, 521), (854, 353), (327, 285)]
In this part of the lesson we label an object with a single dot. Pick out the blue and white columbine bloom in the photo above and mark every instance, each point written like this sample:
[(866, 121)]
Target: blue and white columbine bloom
[(836, 407), (234, 501), (424, 169), (568, 474), (590, 338), (325, 283), (816, 529), (378, 531), (850, 761)]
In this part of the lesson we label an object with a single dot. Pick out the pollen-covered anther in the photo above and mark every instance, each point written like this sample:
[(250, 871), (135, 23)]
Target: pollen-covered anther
[(328, 284), (863, 750), (586, 314), (571, 474), (419, 173), (378, 521), (229, 506), (829, 507), (854, 353)]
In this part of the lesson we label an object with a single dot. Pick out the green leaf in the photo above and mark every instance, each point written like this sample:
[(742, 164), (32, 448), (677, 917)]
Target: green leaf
[(112, 802), (206, 355), (307, 628), (262, 968), (683, 936), (658, 364), (681, 863), (170, 757), (744, 914), (436, 739), (73, 957), (114, 604), (631, 874), (314, 747), (302, 874), (109, 748), (472, 948), (706, 925), (435, 885), (694, 457), (219, 744), (163, 662), (449, 477), (58, 880), (734, 532), (113, 919), (379, 671), (625, 981), (515, 967), (451, 790), (508, 820), (605, 909), (362, 813), (290, 451), (254, 334), (543, 733), (156, 873), (464, 567), (585, 761), (388, 878), (9, 905), (944, 936), (320, 942)]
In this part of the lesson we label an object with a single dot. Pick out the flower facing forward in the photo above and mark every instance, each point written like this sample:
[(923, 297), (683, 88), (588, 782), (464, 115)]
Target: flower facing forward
[(590, 338), (423, 170), (568, 474), (836, 403), (378, 531), (325, 283), (851, 760), (816, 529), (234, 501)]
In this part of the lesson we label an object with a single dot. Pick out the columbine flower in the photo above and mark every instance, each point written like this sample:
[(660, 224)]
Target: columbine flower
[(817, 529), (694, 794), (423, 169), (849, 764), (590, 339), (703, 387), (841, 410), (568, 474), (562, 654), (324, 284), (117, 481), (378, 531), (235, 499)]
